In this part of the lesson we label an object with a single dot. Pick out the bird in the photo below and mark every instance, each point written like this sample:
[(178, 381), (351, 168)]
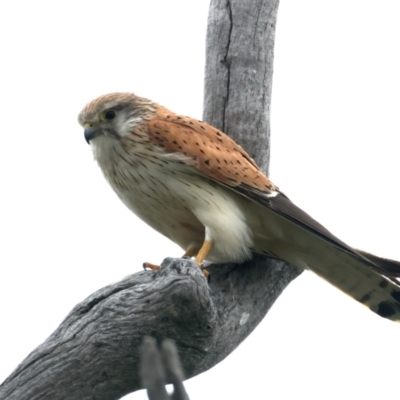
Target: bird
[(196, 186)]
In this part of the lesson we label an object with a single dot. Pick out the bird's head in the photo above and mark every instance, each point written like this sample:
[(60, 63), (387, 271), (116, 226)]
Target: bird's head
[(115, 115)]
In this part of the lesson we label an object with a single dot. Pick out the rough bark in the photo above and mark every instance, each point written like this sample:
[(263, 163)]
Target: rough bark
[(95, 352), (238, 75)]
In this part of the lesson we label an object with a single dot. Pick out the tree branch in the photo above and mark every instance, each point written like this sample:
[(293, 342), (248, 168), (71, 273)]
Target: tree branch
[(238, 74), (95, 352)]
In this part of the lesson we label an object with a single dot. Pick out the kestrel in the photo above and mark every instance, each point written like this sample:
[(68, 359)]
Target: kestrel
[(196, 186)]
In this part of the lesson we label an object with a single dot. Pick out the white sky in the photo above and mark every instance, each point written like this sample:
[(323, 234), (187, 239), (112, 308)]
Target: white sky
[(335, 143)]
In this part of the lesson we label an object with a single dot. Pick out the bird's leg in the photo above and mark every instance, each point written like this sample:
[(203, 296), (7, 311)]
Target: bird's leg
[(205, 248), (202, 254), (153, 267)]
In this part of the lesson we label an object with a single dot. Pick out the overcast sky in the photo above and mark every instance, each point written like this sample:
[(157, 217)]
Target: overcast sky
[(335, 146)]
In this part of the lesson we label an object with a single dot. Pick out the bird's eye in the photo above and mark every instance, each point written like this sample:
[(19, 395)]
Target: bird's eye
[(109, 115)]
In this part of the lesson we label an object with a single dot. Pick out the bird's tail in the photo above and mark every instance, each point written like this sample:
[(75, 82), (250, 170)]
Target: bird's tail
[(390, 268), (284, 231)]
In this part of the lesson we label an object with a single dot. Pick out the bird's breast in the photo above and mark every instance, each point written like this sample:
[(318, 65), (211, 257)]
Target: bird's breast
[(170, 195), (146, 179)]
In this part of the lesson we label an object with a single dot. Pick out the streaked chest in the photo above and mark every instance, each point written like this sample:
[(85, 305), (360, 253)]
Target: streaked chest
[(155, 185), (169, 194)]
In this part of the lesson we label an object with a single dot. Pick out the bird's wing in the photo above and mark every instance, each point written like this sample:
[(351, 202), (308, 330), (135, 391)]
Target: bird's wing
[(220, 158), (215, 155)]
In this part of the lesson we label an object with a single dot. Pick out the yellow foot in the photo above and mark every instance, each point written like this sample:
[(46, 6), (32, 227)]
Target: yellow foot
[(203, 252), (153, 267)]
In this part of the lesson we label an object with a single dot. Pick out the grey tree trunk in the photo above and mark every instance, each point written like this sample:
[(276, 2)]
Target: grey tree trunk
[(94, 354), (238, 75)]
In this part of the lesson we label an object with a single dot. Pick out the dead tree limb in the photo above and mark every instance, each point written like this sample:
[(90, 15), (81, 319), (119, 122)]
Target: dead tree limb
[(94, 354)]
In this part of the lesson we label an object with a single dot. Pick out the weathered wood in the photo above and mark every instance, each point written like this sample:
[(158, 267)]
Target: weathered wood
[(238, 75), (95, 352)]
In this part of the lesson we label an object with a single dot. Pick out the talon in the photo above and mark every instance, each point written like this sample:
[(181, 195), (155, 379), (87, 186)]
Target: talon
[(153, 267), (206, 273)]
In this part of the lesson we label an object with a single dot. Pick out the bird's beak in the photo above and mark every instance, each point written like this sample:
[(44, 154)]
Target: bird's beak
[(91, 133)]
